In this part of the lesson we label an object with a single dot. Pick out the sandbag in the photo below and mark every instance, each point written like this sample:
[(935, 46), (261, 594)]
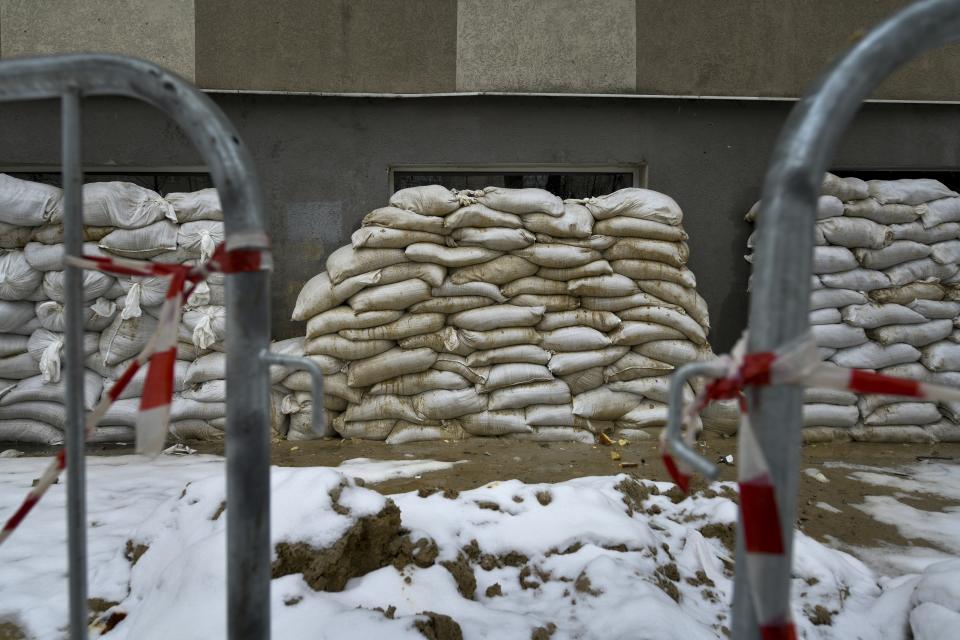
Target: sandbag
[(395, 218), (595, 268), (826, 316), (396, 296), (844, 188), (824, 298), (95, 285), (449, 256), (534, 285), (520, 201), (633, 366), (897, 434), (457, 364), (871, 355), (366, 429), (608, 285), (558, 256), (653, 270), (944, 431), (337, 347), (821, 435), (547, 302), (497, 238), (574, 339), (829, 396), (547, 415), (622, 226), (36, 389), (829, 415), (686, 298), (563, 364), (925, 270), (405, 432), (947, 252), (320, 294), (389, 364), (917, 335), (409, 325), (939, 211), (208, 325), (838, 336), (645, 415), (599, 320), (444, 404), (857, 279), (604, 404), (621, 303), (519, 353), (134, 388), (894, 254), (485, 289), (936, 309), (347, 262), (196, 205), (344, 318), (918, 233), (525, 395), (124, 205), (672, 253), (634, 202), (14, 237), (53, 234), (29, 204), (27, 430), (16, 316), (46, 347), (444, 340), (834, 259), (11, 345), (386, 238), (49, 257), (511, 374), (675, 352), (382, 408), (882, 214), (655, 388), (903, 413), (585, 379), (576, 222), (450, 304), (496, 338), (415, 383), (478, 215), (497, 317), (908, 293), (124, 339), (941, 356), (498, 271), (210, 391), (908, 190), (555, 434), (855, 233), (142, 243), (646, 324), (51, 413), (428, 200), (494, 423), (17, 278)]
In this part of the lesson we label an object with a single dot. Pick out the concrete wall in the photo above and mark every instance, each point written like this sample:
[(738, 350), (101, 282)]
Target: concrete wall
[(671, 47), (324, 162)]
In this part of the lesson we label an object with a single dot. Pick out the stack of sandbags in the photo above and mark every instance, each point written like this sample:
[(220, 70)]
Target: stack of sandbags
[(886, 297), (505, 312)]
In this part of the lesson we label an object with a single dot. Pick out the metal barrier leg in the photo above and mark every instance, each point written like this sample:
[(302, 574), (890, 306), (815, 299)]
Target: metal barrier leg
[(73, 352)]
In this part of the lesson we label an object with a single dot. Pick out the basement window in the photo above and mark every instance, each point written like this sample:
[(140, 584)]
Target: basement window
[(566, 181)]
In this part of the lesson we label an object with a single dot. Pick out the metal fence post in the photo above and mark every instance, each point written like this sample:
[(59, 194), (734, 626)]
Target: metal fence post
[(779, 305)]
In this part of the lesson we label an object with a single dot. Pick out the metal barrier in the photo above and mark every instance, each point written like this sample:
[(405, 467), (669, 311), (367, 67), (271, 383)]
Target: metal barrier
[(779, 304), (71, 78)]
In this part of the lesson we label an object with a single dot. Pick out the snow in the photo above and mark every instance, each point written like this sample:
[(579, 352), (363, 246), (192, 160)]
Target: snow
[(828, 507)]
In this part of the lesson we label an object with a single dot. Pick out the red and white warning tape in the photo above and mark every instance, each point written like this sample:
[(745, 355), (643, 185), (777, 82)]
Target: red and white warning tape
[(159, 355), (795, 363)]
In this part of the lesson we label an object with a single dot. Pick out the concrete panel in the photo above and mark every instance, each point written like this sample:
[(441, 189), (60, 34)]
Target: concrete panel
[(327, 45), (583, 46), (769, 48), (324, 162), (157, 30)]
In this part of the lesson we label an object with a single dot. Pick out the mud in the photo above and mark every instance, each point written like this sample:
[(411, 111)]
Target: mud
[(439, 627)]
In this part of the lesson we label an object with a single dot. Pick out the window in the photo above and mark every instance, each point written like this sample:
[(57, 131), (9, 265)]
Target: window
[(564, 181)]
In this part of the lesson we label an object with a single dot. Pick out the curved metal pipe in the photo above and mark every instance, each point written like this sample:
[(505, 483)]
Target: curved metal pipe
[(674, 429), (780, 301)]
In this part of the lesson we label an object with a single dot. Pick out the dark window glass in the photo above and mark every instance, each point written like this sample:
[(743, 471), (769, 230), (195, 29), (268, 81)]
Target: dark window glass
[(162, 183), (564, 184)]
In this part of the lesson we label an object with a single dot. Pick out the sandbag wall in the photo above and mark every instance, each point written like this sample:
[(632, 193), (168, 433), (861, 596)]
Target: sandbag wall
[(120, 313), (886, 297), (503, 312)]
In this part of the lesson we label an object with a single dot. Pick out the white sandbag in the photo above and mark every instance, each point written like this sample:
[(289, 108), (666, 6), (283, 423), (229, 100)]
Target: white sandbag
[(196, 205), (366, 429), (49, 257), (449, 256), (525, 395), (908, 293), (936, 309), (830, 415), (903, 413), (844, 188), (497, 317), (655, 388), (636, 203), (498, 271), (634, 366), (645, 415), (599, 320), (585, 379), (944, 431), (558, 256), (563, 364), (595, 268), (446, 339), (555, 434), (199, 239), (320, 294), (14, 237), (343, 349), (36, 389), (574, 339), (917, 335), (415, 383), (897, 434), (51, 413), (653, 270), (549, 415), (829, 396), (512, 374), (519, 353), (457, 364), (450, 304), (29, 204), (920, 270), (916, 232), (551, 303), (15, 316), (855, 233), (825, 353), (871, 355), (208, 325), (444, 404), (496, 338), (534, 285), (409, 325), (142, 243), (395, 218), (210, 391), (95, 285), (498, 238), (595, 242), (347, 262), (938, 212), (675, 352), (824, 298), (17, 278), (686, 298), (908, 191), (604, 404), (621, 303), (134, 388), (858, 279), (484, 289), (478, 215), (946, 252), (428, 200), (646, 324), (26, 430), (386, 238), (334, 385), (941, 356), (46, 347), (200, 430), (53, 234), (389, 364), (834, 259), (344, 318), (396, 296), (576, 222), (494, 423), (825, 316), (609, 285), (882, 214), (838, 336), (124, 339), (672, 253), (622, 226), (124, 205), (405, 432), (383, 408), (520, 201), (11, 345)]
